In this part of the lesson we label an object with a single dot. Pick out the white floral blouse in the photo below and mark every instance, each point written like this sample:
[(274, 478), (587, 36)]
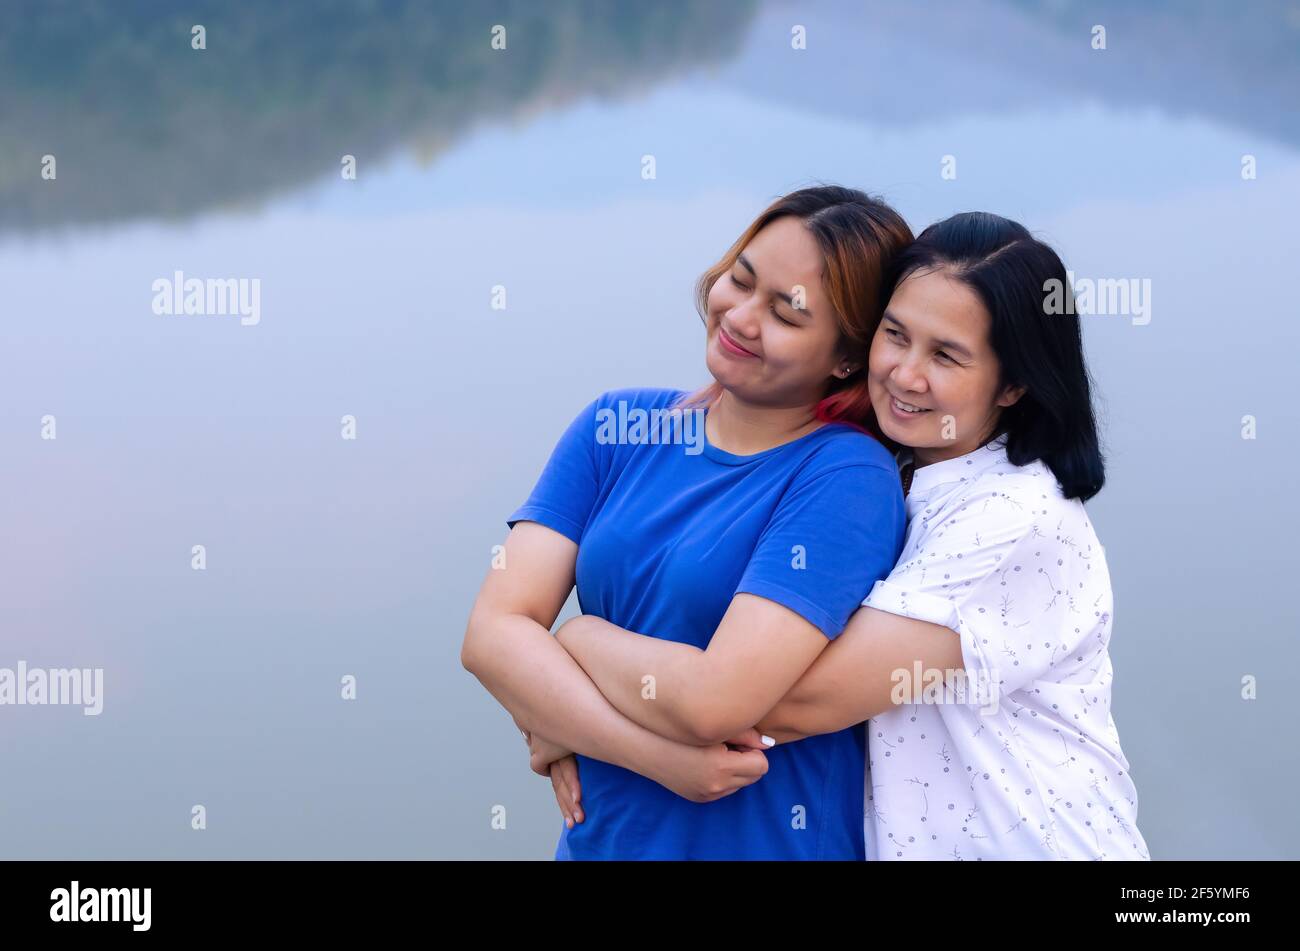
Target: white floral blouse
[(1016, 756)]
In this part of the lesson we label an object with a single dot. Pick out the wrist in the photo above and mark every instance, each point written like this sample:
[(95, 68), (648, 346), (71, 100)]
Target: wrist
[(648, 755)]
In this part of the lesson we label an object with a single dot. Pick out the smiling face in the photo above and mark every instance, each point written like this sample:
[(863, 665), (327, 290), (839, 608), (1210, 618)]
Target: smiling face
[(932, 354), (764, 347)]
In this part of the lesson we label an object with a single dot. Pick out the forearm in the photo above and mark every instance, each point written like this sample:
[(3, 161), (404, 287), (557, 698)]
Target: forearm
[(879, 662), (790, 720), (659, 684), (533, 677), (823, 700)]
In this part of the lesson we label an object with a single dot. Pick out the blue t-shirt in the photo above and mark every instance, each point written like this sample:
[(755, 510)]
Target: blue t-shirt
[(669, 529)]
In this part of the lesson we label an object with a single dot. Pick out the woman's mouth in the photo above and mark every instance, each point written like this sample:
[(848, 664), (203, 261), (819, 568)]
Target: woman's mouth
[(730, 346), (905, 410)]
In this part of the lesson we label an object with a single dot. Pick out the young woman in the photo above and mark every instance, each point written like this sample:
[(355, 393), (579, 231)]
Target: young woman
[(744, 547), (982, 659)]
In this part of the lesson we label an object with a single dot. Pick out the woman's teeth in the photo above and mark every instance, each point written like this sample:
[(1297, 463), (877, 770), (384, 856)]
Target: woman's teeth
[(907, 407)]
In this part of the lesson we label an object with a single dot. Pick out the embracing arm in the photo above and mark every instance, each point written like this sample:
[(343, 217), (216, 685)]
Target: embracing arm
[(509, 648), (855, 678), (698, 696), (705, 696)]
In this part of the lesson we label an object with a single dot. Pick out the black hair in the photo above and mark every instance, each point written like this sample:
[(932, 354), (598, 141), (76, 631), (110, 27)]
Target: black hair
[(1037, 347)]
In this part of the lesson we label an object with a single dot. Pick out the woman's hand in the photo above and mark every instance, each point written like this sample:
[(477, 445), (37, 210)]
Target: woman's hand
[(542, 753), (568, 791), (700, 774), (550, 759), (751, 739), (708, 773)]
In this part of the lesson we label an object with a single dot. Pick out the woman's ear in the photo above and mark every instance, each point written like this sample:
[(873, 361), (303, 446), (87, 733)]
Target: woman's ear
[(1011, 395), (847, 364)]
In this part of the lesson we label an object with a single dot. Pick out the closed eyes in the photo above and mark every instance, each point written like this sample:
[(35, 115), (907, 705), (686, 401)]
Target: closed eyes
[(746, 288)]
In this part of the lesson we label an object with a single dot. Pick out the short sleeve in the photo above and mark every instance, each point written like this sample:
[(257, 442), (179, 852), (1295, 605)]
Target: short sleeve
[(992, 574), (828, 540), (566, 491)]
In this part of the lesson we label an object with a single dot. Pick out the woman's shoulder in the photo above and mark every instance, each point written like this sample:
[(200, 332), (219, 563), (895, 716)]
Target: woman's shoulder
[(836, 445), (638, 397), (1018, 499), (1004, 517), (634, 409)]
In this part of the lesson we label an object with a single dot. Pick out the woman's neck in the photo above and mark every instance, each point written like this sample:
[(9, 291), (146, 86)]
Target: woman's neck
[(746, 428), (929, 456)]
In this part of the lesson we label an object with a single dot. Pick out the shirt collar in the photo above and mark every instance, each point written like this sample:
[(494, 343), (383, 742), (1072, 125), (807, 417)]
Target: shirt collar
[(951, 470)]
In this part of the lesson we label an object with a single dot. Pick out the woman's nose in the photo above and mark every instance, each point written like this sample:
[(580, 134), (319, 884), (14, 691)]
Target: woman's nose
[(907, 376), (744, 317)]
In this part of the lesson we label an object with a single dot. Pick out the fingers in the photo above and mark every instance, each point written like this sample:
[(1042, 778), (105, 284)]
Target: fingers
[(731, 770), (751, 739), (749, 766), (538, 765), (567, 768), (563, 798), (752, 763)]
